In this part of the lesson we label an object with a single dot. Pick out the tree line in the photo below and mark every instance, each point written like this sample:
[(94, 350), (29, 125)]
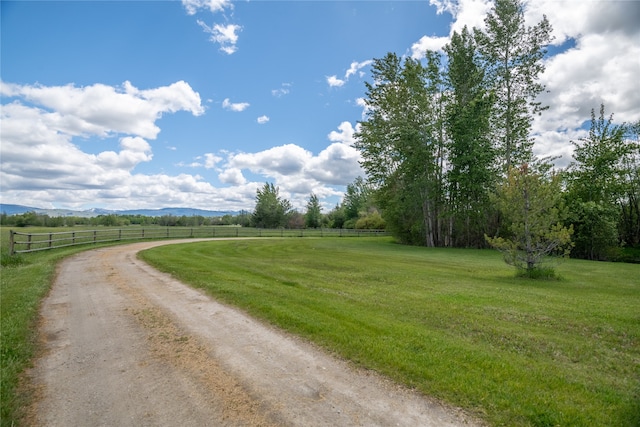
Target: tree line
[(448, 151)]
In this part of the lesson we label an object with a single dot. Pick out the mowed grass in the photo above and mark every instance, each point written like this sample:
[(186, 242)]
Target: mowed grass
[(454, 324)]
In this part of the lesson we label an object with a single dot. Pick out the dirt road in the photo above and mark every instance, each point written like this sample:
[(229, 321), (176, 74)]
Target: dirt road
[(126, 345)]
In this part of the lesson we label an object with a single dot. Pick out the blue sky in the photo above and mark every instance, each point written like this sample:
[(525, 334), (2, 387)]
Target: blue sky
[(150, 104)]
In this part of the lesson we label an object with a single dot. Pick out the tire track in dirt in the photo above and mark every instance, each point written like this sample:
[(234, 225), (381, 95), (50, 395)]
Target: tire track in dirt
[(124, 344)]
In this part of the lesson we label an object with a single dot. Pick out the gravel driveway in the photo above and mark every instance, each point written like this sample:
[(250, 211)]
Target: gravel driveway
[(126, 345)]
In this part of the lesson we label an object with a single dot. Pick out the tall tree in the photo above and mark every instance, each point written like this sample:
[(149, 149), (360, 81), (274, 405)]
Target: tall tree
[(472, 173), (313, 216), (271, 210), (400, 148), (512, 54), (531, 205)]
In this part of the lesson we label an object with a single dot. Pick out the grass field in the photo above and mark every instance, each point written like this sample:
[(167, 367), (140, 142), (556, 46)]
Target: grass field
[(454, 324)]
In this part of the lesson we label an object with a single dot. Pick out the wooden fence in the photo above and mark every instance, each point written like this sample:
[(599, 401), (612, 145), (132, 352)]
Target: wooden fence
[(20, 242)]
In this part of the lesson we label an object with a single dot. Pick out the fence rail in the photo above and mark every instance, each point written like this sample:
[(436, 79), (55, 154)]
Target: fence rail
[(20, 242)]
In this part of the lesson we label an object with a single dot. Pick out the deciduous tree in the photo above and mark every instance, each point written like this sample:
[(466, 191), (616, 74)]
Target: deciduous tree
[(472, 174), (512, 55)]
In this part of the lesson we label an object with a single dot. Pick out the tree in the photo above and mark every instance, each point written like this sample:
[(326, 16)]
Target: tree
[(603, 187), (357, 199), (271, 210), (472, 174), (512, 55), (401, 148), (313, 217), (531, 206)]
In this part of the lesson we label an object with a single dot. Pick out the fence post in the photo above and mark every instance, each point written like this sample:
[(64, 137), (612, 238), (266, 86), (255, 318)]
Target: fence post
[(29, 241), (94, 236), (50, 239), (11, 243)]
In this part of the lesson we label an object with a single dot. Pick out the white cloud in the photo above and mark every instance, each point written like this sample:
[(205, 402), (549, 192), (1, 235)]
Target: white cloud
[(41, 164), (283, 90), (207, 161), (232, 176), (134, 150), (225, 35), (344, 136), (334, 81), (354, 68), (419, 48), (298, 172), (100, 109), (238, 106), (262, 119), (336, 165), (210, 160), (282, 160), (192, 6)]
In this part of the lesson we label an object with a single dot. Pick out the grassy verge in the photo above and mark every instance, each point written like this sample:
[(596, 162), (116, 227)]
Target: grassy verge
[(24, 281), (455, 324)]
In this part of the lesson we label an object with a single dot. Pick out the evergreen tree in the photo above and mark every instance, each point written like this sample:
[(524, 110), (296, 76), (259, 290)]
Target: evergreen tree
[(532, 207)]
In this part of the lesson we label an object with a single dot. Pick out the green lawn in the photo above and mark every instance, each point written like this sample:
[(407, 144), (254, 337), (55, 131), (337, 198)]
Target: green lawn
[(454, 324)]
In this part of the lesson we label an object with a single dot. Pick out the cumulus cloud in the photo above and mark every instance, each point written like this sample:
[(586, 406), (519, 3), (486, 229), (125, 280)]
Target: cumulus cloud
[(262, 120), (282, 160), (344, 135), (41, 163), (232, 176), (299, 172), (100, 109), (419, 48), (231, 106)]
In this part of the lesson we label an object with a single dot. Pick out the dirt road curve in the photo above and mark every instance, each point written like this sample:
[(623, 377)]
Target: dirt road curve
[(126, 345)]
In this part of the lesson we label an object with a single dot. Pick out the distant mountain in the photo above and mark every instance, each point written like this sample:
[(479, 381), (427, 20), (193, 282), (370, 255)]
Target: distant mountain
[(19, 209), (16, 209)]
